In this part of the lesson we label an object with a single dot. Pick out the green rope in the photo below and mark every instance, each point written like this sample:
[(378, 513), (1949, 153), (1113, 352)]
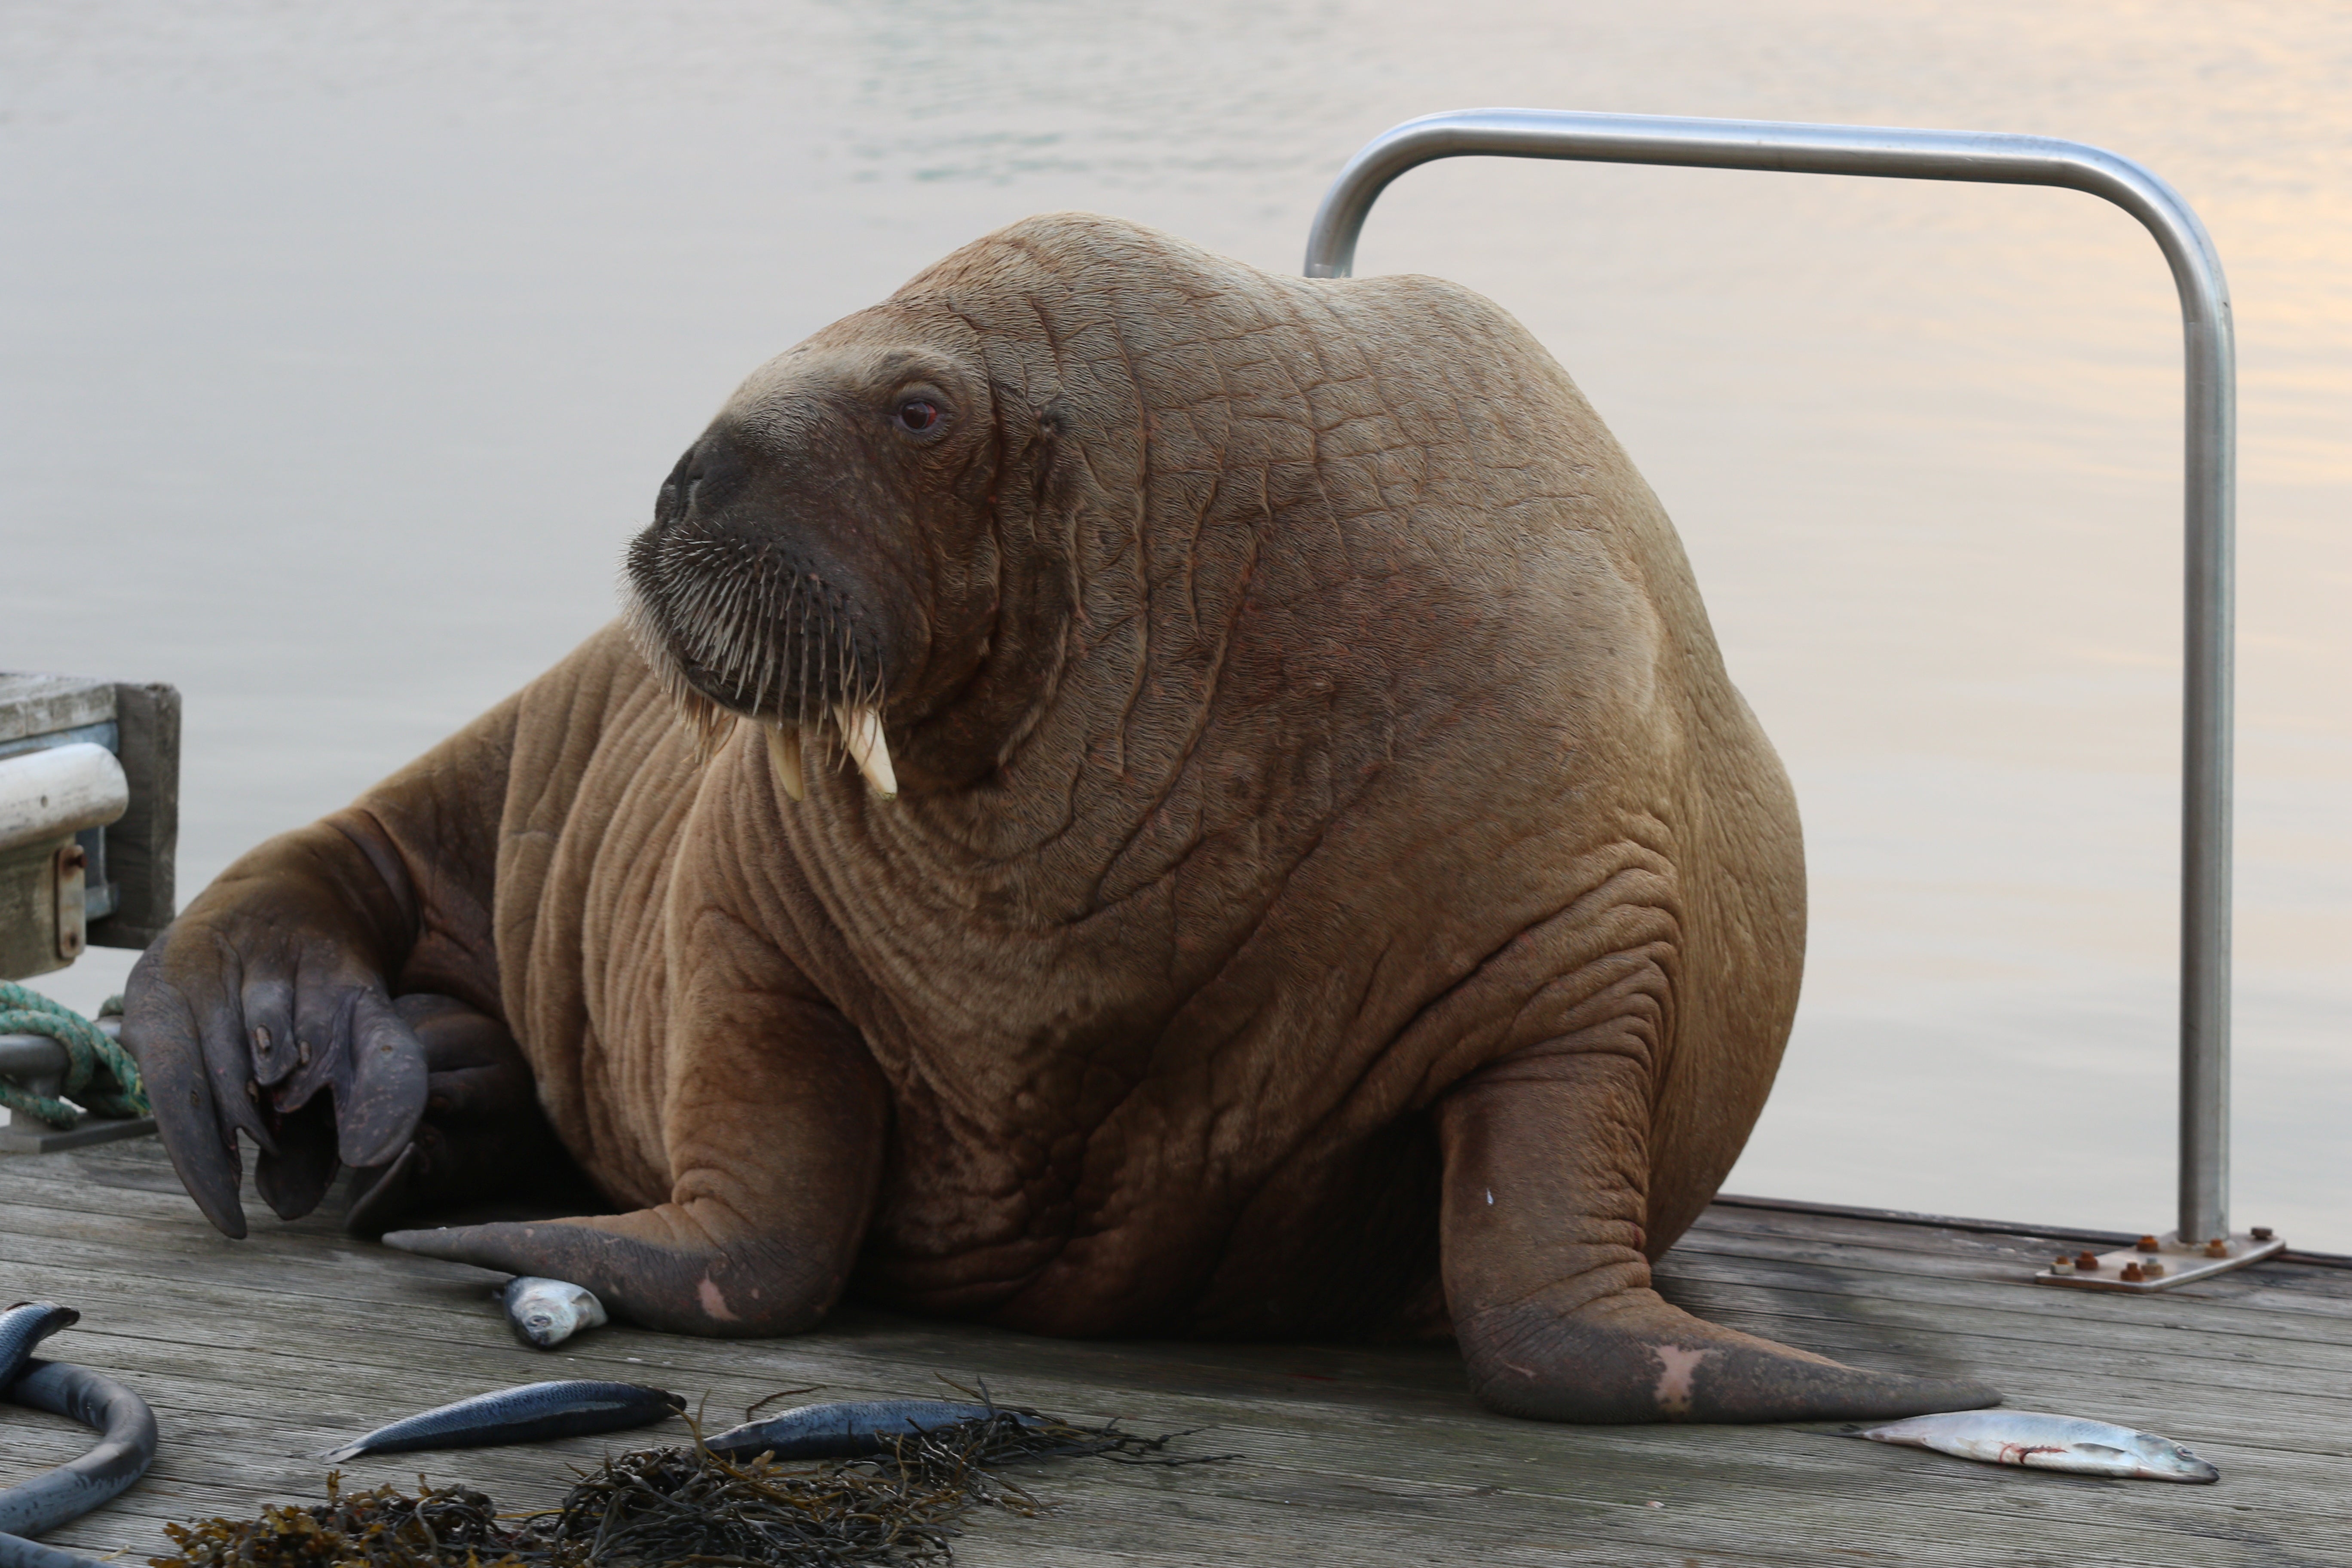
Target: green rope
[(100, 1077)]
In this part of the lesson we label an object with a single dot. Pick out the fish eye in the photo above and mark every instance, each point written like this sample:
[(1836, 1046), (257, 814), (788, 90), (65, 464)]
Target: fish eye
[(918, 415)]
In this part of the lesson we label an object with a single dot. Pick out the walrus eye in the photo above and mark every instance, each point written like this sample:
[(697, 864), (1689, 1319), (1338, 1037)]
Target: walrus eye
[(917, 415)]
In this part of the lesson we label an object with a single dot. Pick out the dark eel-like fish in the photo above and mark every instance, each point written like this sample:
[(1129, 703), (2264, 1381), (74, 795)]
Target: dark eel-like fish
[(125, 1449), (855, 1429), (22, 1326), (527, 1413)]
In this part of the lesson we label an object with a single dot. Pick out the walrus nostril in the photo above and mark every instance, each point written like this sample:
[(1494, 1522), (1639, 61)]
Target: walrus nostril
[(711, 473), (669, 502), (714, 471)]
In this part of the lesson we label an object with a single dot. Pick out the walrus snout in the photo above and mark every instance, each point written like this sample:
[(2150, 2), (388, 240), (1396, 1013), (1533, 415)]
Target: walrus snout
[(784, 576), (709, 476)]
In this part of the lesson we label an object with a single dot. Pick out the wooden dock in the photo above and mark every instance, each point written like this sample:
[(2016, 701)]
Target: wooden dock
[(256, 1354)]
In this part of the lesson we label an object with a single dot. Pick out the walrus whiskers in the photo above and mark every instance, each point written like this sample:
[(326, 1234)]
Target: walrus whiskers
[(762, 654), (709, 615)]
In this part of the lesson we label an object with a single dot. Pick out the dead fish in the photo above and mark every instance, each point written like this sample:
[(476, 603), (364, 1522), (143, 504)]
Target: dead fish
[(25, 1325), (2043, 1442), (543, 1313), (855, 1429), (126, 1447), (529, 1413)]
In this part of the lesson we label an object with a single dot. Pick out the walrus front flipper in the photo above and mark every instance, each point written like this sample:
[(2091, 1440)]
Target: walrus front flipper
[(663, 1267), (483, 1134), (265, 1011), (779, 1119), (1545, 1198)]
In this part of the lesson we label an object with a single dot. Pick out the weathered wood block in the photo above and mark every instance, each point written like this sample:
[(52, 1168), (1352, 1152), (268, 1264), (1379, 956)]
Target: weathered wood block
[(142, 849), (126, 892)]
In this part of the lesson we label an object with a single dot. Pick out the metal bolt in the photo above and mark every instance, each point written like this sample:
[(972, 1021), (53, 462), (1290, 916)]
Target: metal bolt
[(75, 858), (2262, 1233), (2145, 1244), (2217, 1247), (2088, 1262), (2152, 1270), (2062, 1266), (2134, 1273)]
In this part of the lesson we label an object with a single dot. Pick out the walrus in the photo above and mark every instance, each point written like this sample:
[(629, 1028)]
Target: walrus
[(1132, 796)]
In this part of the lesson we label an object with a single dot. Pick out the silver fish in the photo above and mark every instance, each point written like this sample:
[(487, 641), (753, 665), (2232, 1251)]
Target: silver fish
[(529, 1413), (543, 1313), (853, 1428), (2042, 1441), (22, 1326)]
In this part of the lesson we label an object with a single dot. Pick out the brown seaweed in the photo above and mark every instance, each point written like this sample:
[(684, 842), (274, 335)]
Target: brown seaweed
[(652, 1508)]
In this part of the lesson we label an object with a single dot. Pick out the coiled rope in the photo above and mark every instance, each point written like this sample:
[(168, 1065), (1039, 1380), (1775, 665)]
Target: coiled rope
[(100, 1077)]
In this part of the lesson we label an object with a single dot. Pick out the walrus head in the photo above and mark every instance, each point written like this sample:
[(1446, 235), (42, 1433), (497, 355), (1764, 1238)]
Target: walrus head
[(819, 554), (1082, 510)]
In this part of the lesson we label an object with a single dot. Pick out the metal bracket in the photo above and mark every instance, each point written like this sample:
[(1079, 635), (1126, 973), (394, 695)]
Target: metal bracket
[(26, 1136), (38, 1063), (2161, 1263), (67, 874)]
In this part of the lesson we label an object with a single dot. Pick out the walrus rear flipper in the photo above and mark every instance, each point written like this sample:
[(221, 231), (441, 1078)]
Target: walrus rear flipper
[(1548, 1286)]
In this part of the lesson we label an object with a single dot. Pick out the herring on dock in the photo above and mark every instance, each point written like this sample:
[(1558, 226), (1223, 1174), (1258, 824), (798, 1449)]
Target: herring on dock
[(858, 1428), (23, 1325), (2038, 1441), (125, 1449), (529, 1412), (543, 1313)]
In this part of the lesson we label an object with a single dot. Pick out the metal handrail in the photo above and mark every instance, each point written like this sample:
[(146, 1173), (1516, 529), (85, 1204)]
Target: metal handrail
[(2210, 510)]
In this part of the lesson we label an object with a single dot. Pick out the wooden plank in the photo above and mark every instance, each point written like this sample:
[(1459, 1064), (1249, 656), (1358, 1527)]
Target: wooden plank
[(254, 1353), (327, 1376), (1860, 1276), (39, 704), (2320, 1275), (142, 849), (2217, 1306), (1291, 1489), (212, 1323)]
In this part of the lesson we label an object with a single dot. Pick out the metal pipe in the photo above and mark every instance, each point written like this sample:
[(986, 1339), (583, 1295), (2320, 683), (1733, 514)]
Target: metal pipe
[(31, 1057), (2209, 510)]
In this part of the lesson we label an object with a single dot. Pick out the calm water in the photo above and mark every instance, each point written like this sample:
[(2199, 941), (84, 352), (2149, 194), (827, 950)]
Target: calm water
[(344, 345)]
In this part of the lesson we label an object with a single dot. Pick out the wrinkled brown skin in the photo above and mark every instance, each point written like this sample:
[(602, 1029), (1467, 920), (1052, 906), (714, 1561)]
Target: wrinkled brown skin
[(1335, 889)]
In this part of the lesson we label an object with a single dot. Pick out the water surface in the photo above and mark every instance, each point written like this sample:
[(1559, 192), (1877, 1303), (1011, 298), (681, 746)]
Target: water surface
[(345, 345)]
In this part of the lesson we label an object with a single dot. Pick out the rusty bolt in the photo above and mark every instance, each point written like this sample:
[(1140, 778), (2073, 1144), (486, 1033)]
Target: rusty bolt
[(2217, 1247), (2088, 1262), (2145, 1244), (2134, 1272), (73, 859), (2262, 1233)]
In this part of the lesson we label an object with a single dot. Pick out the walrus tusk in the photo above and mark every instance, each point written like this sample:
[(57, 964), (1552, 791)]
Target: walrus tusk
[(861, 734), (785, 752)]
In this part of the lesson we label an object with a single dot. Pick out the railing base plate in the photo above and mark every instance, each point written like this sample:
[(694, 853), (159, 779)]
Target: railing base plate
[(26, 1136), (2179, 1264)]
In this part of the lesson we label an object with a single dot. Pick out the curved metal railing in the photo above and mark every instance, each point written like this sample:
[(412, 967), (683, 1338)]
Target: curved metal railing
[(2208, 511)]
